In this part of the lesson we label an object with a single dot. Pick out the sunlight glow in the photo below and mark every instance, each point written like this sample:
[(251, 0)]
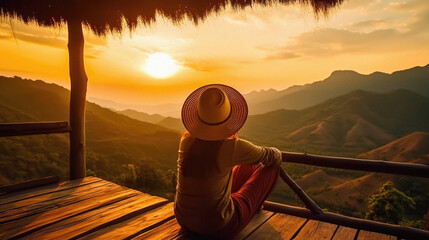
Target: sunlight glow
[(160, 65)]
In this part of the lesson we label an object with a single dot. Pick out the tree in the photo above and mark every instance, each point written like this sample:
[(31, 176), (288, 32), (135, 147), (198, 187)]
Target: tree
[(388, 204)]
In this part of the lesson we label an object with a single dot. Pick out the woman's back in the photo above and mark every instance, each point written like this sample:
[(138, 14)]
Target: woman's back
[(204, 203), (204, 175)]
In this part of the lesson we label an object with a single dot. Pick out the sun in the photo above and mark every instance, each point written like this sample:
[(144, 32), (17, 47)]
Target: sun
[(160, 65)]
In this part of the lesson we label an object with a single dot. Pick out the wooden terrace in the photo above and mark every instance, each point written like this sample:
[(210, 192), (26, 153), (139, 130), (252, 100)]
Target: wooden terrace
[(89, 207), (93, 208)]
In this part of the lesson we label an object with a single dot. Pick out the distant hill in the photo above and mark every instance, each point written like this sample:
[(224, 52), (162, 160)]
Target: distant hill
[(113, 140), (168, 122), (355, 192), (338, 83), (152, 118), (318, 179), (411, 148), (255, 97), (350, 124), (168, 110), (29, 157), (172, 123)]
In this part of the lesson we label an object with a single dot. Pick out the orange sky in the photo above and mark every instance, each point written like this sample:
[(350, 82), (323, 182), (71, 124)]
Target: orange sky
[(258, 48)]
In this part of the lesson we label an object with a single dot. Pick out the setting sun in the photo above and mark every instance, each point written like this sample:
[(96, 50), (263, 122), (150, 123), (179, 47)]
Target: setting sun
[(160, 65)]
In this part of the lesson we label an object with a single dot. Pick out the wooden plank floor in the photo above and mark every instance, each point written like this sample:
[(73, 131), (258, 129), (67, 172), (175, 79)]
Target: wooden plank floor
[(93, 208)]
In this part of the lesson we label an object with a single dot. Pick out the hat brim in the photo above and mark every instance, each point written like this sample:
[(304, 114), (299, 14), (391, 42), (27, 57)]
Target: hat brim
[(213, 132)]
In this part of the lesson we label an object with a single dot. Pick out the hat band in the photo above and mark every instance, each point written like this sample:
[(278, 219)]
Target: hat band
[(218, 123)]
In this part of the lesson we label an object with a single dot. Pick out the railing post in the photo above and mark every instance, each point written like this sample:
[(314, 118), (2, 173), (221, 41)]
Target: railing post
[(427, 221), (309, 203), (78, 81)]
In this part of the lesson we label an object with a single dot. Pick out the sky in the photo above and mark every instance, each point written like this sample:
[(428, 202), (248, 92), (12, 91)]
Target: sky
[(252, 49)]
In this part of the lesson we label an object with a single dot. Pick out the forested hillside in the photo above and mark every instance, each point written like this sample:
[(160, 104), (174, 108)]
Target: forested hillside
[(143, 155), (118, 148), (347, 125)]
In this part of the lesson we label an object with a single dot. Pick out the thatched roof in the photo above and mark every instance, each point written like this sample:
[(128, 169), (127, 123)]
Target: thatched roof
[(103, 16)]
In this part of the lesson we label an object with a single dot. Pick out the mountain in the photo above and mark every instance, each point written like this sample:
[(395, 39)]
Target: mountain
[(350, 124), (168, 122), (29, 157), (172, 123), (355, 192), (318, 179), (338, 83), (169, 110), (302, 96), (411, 148), (255, 97), (152, 118), (115, 143)]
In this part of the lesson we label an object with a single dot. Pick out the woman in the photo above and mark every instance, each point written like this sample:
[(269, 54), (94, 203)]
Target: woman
[(222, 179)]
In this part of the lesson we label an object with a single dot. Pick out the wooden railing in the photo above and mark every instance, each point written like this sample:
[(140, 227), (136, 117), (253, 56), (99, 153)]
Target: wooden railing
[(409, 169), (77, 161), (33, 128), (313, 211)]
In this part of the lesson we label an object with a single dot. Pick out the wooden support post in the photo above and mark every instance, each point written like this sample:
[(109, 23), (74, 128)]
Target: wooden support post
[(78, 80), (427, 221), (309, 203)]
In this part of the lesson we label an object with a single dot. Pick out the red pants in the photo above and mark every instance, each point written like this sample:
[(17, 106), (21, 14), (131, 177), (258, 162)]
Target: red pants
[(251, 185)]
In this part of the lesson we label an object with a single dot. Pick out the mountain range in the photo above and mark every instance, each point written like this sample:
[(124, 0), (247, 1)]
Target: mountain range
[(388, 123), (168, 122), (338, 83), (412, 148), (113, 140), (349, 124), (350, 191), (298, 97), (144, 117)]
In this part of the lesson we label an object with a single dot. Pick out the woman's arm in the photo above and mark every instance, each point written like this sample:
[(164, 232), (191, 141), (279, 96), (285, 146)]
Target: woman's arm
[(246, 152)]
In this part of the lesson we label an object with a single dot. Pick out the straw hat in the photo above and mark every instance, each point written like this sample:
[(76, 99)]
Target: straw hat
[(214, 112)]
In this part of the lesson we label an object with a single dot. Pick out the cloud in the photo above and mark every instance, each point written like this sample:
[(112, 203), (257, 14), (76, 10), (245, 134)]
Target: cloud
[(204, 65), (90, 56), (282, 56), (5, 36), (371, 24), (407, 6), (21, 33), (47, 41), (146, 50), (373, 36), (420, 21), (45, 36)]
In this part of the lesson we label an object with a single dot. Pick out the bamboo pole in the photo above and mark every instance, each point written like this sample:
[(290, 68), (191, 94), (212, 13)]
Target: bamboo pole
[(309, 203), (32, 128), (427, 221), (78, 80), (409, 169)]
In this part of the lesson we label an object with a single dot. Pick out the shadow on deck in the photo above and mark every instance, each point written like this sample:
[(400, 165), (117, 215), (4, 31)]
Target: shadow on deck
[(92, 208)]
